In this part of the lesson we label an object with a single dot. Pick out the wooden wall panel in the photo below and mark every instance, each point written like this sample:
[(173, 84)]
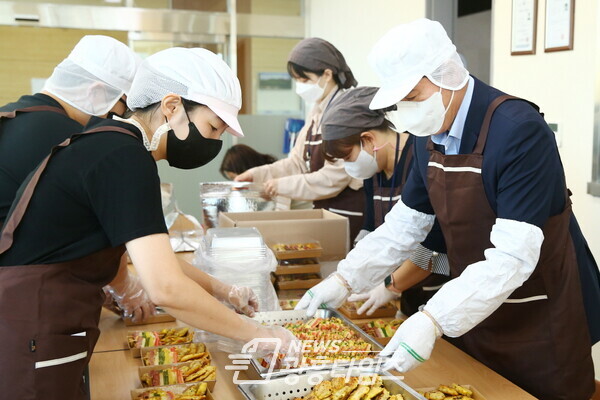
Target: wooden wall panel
[(31, 52)]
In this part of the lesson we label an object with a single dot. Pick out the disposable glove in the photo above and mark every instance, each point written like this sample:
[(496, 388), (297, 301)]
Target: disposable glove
[(241, 298), (271, 343), (412, 343), (331, 293), (132, 299), (377, 297)]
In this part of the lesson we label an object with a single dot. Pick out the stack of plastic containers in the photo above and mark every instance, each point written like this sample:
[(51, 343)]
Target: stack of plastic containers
[(239, 256)]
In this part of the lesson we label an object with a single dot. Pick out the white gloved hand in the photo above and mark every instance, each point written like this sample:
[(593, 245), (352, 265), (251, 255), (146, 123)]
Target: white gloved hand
[(132, 299), (412, 343), (241, 298), (377, 297), (360, 236), (332, 293)]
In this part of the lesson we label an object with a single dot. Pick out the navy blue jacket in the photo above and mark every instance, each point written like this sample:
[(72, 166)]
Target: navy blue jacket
[(522, 175)]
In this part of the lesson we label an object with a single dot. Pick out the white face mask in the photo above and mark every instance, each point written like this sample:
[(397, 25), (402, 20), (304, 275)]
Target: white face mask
[(421, 118), (310, 92), (364, 167)]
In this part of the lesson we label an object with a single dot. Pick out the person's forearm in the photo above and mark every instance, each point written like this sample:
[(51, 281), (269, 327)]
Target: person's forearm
[(408, 275), (193, 305), (200, 277), (169, 287)]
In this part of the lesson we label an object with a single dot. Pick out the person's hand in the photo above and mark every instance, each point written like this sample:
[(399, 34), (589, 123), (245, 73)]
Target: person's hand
[(243, 300), (377, 297), (412, 343), (132, 299), (332, 292), (270, 187), (273, 344), (244, 177)]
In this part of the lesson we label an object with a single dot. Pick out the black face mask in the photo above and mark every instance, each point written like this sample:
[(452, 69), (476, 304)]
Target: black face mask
[(192, 152)]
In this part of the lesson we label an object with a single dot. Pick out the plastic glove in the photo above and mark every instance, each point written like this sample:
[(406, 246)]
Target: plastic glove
[(332, 293), (244, 177), (412, 343), (360, 236), (241, 298), (133, 300), (273, 343), (377, 297)]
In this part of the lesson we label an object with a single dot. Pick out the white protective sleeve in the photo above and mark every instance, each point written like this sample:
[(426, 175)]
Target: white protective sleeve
[(462, 303), (381, 251)]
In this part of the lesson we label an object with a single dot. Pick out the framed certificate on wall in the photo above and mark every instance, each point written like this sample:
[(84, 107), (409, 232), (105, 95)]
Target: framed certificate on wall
[(560, 23), (524, 21)]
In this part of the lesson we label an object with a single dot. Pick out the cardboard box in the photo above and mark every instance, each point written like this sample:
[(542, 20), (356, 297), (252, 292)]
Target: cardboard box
[(330, 229), (135, 351), (143, 370), (175, 389), (145, 350), (476, 394)]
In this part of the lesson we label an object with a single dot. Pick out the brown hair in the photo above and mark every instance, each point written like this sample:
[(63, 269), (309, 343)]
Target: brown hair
[(297, 72), (340, 148), (240, 158)]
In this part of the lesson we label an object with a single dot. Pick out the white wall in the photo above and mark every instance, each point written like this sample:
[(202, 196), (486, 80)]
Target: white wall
[(562, 84), (353, 26)]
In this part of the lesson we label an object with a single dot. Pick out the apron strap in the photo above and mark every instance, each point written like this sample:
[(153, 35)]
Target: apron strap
[(7, 235), (12, 114), (485, 126)]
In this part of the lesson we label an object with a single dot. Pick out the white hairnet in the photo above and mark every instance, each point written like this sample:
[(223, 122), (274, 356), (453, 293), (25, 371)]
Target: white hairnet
[(97, 72), (407, 53), (195, 74)]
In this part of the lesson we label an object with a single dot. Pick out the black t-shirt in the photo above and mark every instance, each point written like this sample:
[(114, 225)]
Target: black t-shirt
[(26, 139), (101, 191)]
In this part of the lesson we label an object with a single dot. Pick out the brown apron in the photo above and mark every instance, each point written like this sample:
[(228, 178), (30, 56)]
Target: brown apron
[(538, 338), (349, 202), (13, 114), (49, 313)]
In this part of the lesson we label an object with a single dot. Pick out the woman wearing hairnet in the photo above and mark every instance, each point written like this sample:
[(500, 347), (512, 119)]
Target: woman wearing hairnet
[(93, 80), (97, 193), (372, 150), (321, 74), (525, 294)]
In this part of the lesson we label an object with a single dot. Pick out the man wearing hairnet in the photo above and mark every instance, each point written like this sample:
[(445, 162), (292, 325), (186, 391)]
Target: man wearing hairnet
[(525, 294), (92, 81)]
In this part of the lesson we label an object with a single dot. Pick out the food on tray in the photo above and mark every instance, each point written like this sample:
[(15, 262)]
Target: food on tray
[(449, 392), (194, 372), (288, 304), (329, 340), (380, 328), (354, 388), (175, 354), (195, 392), (296, 246), (297, 277), (165, 337)]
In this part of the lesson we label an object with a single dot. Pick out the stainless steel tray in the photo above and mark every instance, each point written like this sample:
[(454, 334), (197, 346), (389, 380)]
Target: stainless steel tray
[(282, 317), (286, 388)]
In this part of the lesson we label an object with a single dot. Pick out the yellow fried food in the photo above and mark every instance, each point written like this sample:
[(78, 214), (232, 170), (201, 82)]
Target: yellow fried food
[(359, 392), (434, 395), (322, 390), (397, 397), (385, 395), (462, 390), (447, 390), (375, 390)]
